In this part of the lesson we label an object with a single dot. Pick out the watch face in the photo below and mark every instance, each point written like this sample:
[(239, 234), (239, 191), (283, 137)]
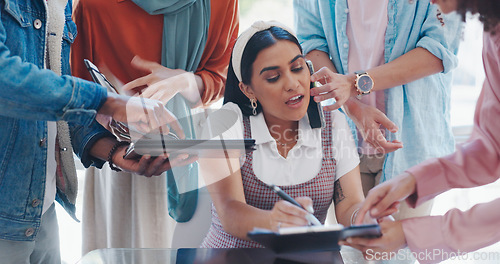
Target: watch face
[(365, 83)]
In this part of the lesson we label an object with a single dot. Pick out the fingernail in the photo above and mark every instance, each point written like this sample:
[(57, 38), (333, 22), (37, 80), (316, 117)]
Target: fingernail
[(349, 240), (316, 99), (310, 209), (374, 211)]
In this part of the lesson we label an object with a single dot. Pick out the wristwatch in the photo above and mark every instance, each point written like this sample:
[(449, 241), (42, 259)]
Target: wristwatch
[(363, 83)]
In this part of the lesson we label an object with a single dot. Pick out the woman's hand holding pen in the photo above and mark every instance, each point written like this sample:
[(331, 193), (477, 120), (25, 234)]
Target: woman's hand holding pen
[(285, 214)]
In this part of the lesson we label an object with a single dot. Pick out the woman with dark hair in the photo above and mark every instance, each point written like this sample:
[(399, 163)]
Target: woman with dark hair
[(475, 163), (268, 91), (487, 10)]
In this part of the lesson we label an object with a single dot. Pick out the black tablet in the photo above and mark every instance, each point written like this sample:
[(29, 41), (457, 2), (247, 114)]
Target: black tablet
[(213, 148), (98, 77)]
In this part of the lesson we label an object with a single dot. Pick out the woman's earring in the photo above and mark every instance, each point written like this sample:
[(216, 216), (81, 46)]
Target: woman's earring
[(253, 102)]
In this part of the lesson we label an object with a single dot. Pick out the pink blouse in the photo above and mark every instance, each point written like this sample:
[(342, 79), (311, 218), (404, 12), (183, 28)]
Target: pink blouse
[(475, 163)]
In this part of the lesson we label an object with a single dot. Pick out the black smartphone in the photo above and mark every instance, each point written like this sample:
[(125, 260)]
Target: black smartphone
[(98, 77), (368, 231), (314, 110)]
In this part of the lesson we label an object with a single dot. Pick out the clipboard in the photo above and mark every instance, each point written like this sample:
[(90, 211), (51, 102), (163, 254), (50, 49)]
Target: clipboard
[(310, 238)]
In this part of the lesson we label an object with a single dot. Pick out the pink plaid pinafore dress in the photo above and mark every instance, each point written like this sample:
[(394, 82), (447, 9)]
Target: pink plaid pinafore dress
[(259, 195)]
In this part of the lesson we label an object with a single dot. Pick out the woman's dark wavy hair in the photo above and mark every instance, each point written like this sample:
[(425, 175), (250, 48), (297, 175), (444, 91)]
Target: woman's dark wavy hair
[(488, 10), (258, 42)]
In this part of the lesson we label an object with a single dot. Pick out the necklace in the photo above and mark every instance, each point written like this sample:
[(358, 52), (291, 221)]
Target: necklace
[(283, 135), (285, 144), (283, 151)]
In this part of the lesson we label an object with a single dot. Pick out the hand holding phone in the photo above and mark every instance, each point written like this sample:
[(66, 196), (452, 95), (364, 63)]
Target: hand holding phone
[(366, 231), (314, 110)]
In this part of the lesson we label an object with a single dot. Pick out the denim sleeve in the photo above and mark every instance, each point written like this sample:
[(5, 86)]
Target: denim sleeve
[(83, 139), (441, 40), (28, 92), (309, 26)]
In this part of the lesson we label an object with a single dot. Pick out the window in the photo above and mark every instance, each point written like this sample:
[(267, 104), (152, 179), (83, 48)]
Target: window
[(468, 79)]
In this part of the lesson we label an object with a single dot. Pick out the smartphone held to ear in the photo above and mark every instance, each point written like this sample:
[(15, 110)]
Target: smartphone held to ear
[(314, 110)]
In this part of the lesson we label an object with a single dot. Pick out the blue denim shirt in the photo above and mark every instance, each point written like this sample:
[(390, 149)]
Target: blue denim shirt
[(421, 109), (30, 96)]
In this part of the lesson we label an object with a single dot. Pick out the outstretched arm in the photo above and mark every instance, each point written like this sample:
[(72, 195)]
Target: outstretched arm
[(348, 195), (369, 120), (237, 217), (414, 65)]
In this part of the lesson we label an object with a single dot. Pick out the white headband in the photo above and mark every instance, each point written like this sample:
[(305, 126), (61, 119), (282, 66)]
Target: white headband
[(244, 37)]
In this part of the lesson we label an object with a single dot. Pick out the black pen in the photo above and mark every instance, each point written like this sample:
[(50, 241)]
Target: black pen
[(310, 217)]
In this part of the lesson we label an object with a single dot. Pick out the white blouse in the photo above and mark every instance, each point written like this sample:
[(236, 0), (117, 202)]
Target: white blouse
[(303, 161)]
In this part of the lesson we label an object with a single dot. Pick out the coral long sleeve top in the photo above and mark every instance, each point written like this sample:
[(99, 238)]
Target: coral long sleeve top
[(475, 163), (112, 32)]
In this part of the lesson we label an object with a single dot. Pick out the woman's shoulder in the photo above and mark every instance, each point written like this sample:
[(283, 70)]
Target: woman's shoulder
[(228, 114), (230, 106), (225, 120)]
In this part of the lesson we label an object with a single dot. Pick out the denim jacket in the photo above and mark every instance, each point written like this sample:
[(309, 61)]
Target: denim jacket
[(30, 96), (421, 109)]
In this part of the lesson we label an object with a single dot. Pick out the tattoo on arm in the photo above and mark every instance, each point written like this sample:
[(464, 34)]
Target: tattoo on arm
[(338, 194)]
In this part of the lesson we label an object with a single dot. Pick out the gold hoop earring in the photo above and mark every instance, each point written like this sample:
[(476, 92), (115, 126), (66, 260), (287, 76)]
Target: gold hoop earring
[(253, 103)]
